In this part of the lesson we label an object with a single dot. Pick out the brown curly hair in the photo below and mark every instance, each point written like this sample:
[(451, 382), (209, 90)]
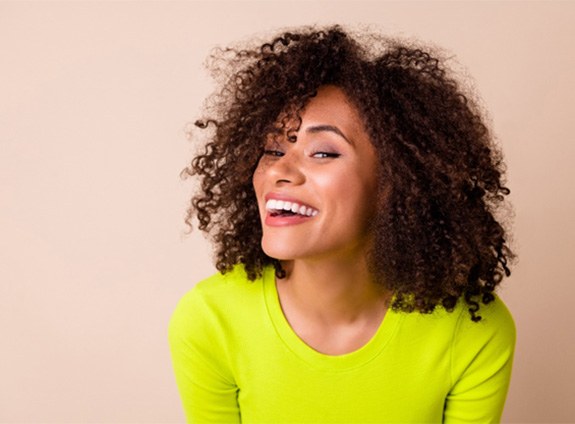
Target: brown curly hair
[(437, 237)]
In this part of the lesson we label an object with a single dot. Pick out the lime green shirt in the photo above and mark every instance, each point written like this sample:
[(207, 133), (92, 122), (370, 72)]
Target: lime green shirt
[(236, 359)]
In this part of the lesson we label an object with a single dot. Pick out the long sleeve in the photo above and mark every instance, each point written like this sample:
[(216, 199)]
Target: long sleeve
[(206, 386), (481, 362)]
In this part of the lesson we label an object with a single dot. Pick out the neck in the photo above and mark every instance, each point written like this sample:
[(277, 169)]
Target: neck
[(335, 291)]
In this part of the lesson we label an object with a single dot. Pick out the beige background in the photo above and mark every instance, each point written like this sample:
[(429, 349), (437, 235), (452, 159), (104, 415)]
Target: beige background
[(94, 102)]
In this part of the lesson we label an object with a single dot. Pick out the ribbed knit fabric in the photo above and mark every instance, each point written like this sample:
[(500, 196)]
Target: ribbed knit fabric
[(236, 359)]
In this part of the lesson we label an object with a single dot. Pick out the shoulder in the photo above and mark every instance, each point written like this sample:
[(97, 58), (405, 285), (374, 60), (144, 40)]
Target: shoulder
[(219, 297), (472, 351), (481, 360), (496, 322), (441, 324), (219, 286), (489, 343)]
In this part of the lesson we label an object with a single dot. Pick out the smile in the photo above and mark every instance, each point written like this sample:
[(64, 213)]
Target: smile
[(287, 208)]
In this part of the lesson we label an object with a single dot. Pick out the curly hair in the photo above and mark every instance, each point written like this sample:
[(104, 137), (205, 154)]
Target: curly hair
[(437, 237)]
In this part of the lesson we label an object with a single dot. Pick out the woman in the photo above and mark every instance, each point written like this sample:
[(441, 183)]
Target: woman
[(350, 191)]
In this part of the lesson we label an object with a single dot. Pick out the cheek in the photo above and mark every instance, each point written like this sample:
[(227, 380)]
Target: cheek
[(258, 184), (346, 184), (257, 180), (357, 193)]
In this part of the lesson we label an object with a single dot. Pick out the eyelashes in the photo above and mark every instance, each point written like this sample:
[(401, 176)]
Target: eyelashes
[(274, 153), (316, 154), (326, 155)]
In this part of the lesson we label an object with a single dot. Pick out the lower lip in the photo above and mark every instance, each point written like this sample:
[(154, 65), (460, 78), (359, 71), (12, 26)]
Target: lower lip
[(283, 221)]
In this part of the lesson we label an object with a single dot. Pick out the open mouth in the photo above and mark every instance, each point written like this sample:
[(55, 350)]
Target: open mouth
[(275, 213), (285, 208)]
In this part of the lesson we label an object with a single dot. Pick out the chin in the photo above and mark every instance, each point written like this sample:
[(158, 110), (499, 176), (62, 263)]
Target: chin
[(278, 253)]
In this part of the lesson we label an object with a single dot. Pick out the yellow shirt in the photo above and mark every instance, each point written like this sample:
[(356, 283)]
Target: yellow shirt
[(236, 359)]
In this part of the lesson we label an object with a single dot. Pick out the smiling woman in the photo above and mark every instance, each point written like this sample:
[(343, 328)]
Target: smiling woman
[(330, 169), (350, 190)]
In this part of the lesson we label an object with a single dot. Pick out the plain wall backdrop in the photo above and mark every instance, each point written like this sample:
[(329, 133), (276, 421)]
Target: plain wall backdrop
[(95, 98)]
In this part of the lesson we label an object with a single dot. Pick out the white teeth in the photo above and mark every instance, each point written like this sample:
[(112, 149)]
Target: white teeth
[(278, 205)]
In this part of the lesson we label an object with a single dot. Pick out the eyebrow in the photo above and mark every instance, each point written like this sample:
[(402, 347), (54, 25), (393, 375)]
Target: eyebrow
[(330, 128)]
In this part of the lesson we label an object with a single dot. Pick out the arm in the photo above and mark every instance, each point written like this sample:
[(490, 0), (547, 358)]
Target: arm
[(206, 386), (481, 362)]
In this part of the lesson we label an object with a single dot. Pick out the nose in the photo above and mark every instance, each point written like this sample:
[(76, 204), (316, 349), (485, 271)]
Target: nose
[(287, 169)]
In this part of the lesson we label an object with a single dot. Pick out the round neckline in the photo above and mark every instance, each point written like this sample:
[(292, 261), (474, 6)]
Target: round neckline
[(297, 346)]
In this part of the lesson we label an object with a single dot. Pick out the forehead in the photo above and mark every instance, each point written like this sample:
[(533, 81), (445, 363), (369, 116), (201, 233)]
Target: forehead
[(332, 103), (331, 106)]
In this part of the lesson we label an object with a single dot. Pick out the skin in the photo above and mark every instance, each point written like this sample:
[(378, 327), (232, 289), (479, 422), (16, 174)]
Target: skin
[(328, 295)]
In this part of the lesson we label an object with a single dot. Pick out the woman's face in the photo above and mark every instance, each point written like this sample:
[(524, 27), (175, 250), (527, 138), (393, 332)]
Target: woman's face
[(317, 196)]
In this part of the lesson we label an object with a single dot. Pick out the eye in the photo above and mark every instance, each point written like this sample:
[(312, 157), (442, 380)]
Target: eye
[(273, 152), (325, 155)]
